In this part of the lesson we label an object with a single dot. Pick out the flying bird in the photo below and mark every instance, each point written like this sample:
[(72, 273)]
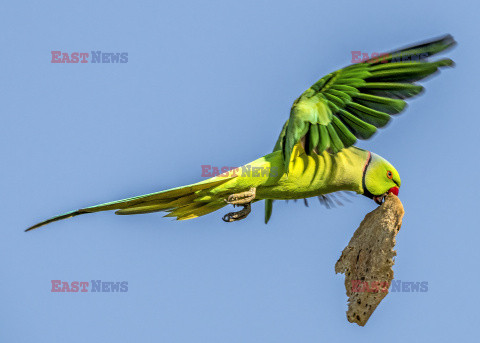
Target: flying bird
[(315, 153)]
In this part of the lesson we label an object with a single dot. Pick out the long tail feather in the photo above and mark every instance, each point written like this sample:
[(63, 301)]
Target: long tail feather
[(169, 200)]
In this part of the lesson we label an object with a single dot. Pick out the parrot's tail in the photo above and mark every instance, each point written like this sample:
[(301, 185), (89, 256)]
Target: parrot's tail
[(185, 202)]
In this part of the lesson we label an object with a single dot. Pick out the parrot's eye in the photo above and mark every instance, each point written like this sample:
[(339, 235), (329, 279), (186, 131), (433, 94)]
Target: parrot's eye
[(389, 174)]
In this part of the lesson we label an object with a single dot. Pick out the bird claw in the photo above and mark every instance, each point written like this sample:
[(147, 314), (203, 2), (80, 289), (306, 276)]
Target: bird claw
[(240, 199), (239, 215)]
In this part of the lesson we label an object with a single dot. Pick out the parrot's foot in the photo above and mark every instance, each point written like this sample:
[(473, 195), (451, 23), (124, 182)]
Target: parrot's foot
[(242, 198), (234, 216)]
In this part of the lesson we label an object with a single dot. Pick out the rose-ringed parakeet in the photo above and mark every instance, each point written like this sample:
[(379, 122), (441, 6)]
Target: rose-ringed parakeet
[(314, 154)]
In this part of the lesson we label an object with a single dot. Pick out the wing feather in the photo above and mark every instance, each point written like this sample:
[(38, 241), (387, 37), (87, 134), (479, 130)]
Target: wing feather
[(351, 103)]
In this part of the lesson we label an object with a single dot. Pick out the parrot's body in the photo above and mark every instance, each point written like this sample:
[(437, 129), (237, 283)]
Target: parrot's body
[(314, 154), (309, 175)]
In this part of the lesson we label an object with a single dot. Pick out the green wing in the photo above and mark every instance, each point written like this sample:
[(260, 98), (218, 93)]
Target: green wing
[(351, 103)]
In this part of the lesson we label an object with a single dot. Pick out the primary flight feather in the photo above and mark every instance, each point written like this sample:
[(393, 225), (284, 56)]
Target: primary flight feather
[(314, 154)]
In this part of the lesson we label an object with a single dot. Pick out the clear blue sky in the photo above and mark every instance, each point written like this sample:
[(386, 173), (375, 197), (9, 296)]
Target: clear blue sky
[(212, 83)]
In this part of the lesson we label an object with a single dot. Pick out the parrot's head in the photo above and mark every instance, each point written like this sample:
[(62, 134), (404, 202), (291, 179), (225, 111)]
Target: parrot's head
[(379, 179)]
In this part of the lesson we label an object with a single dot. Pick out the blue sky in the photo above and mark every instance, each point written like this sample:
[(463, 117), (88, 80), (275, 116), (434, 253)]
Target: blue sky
[(212, 83)]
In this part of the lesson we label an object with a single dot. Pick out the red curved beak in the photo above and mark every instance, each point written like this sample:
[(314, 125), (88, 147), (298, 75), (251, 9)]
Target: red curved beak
[(394, 190)]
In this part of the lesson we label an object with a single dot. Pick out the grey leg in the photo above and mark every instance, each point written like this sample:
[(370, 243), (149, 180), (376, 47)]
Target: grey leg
[(240, 199)]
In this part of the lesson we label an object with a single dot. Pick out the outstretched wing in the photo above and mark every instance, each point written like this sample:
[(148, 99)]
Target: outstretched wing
[(351, 103)]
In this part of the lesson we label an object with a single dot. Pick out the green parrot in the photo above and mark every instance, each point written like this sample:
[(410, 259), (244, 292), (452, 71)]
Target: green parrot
[(314, 154)]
